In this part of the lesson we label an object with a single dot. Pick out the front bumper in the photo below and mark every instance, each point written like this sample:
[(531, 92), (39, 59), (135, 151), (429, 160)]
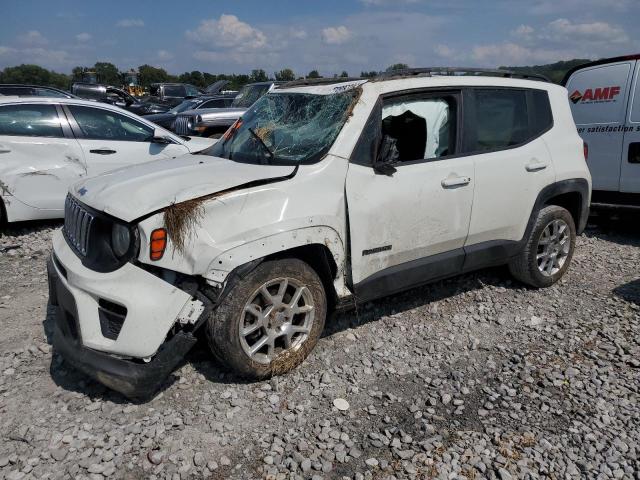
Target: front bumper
[(152, 307)]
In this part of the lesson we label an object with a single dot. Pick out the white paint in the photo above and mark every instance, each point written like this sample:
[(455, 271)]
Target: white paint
[(36, 172), (416, 211)]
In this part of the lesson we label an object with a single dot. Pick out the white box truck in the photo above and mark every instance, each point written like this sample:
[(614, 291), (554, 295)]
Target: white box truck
[(605, 102)]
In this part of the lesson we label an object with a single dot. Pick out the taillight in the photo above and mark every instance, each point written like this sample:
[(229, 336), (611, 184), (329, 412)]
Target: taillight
[(585, 150), (158, 243)]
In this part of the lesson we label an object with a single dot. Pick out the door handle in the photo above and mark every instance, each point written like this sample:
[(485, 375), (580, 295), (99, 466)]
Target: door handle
[(103, 151), (535, 166), (455, 182)]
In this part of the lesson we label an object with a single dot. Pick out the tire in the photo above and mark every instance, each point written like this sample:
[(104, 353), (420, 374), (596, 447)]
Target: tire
[(537, 265), (265, 316)]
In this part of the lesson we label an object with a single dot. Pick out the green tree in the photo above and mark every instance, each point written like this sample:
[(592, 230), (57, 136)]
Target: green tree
[(397, 66), (107, 73), (149, 75), (370, 74), (314, 74), (258, 75), (35, 75), (344, 74), (285, 75)]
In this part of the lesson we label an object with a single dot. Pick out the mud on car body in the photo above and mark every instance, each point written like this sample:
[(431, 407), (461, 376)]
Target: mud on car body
[(319, 195)]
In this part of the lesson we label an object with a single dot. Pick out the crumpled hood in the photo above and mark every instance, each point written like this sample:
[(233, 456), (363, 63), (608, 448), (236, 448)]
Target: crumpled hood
[(132, 192)]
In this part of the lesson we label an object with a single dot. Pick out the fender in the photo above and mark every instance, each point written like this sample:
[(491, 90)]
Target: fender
[(221, 267)]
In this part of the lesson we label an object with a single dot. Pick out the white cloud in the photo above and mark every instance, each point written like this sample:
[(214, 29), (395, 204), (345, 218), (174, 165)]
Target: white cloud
[(32, 38), (164, 55), (228, 31), (298, 33), (563, 29), (555, 7), (83, 37), (509, 53), (378, 3), (523, 31), (335, 35), (130, 23), (444, 51), (6, 50)]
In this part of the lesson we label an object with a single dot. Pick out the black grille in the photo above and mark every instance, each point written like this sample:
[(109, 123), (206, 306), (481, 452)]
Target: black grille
[(77, 225), (181, 125)]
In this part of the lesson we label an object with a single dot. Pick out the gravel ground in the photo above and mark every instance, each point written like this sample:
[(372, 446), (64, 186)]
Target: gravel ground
[(474, 377)]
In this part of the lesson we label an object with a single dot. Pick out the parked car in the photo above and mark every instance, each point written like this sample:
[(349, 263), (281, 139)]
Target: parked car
[(171, 94), (605, 101), (19, 90), (118, 97), (250, 239), (167, 119), (213, 122), (46, 145)]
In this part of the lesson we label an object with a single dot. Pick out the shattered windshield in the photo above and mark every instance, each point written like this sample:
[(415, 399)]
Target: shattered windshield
[(286, 128), (248, 95)]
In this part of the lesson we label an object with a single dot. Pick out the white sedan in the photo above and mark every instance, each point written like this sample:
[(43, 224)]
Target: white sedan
[(48, 144)]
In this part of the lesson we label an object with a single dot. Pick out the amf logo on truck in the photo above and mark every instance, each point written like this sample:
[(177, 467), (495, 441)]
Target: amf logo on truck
[(596, 95)]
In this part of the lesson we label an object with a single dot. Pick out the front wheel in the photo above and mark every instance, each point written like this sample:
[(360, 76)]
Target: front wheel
[(271, 320), (549, 249)]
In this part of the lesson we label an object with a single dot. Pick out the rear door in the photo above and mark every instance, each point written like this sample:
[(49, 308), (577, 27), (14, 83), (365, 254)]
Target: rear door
[(503, 133), (39, 158), (599, 96), (630, 168), (112, 140)]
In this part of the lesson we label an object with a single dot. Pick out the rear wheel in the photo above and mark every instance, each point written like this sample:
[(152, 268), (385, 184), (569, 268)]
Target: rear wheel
[(271, 320), (549, 249)]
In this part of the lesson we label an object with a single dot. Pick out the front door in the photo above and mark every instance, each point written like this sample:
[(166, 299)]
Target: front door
[(111, 140), (409, 226)]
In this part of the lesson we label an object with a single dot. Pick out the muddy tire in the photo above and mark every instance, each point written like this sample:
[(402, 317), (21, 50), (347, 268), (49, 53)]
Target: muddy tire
[(271, 320), (547, 254)]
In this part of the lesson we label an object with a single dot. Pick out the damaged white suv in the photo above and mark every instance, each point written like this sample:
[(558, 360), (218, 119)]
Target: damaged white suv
[(322, 195)]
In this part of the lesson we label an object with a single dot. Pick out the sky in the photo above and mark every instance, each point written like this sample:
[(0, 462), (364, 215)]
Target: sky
[(236, 36)]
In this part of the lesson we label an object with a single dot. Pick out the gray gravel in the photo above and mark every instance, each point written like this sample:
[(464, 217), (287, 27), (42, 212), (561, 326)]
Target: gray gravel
[(474, 377)]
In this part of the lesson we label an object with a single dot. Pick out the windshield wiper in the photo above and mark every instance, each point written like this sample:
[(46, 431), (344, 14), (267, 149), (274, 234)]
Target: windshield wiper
[(266, 147)]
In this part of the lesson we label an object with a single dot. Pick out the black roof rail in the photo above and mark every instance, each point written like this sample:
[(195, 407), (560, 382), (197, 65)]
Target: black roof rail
[(308, 82), (460, 71)]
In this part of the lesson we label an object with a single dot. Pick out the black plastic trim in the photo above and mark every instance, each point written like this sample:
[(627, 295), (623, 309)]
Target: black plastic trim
[(472, 257)]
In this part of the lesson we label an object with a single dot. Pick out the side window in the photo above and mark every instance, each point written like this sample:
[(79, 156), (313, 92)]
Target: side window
[(422, 126), (540, 114), (501, 119), (217, 103), (30, 121), (597, 94), (192, 91), (45, 92), (174, 91), (635, 109), (100, 124)]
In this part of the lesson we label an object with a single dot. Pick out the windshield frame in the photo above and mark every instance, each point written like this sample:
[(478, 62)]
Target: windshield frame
[(270, 158), (263, 88)]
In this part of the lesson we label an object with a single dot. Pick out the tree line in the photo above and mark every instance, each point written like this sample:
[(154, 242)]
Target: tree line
[(108, 73)]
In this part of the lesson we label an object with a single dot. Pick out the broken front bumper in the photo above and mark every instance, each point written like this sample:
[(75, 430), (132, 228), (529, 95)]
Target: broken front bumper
[(108, 324)]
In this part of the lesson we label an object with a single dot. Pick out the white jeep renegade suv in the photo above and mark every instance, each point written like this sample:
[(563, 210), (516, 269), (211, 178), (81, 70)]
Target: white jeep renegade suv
[(322, 195)]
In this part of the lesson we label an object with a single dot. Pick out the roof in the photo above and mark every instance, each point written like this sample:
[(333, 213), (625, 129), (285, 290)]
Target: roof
[(602, 61), (68, 101)]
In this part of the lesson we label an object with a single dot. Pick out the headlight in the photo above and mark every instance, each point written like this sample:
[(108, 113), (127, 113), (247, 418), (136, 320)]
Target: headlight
[(120, 239)]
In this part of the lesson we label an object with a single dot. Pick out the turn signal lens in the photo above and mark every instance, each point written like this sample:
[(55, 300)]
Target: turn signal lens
[(158, 243)]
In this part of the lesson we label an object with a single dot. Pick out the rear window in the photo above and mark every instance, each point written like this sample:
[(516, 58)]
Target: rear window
[(507, 118), (19, 91), (30, 121), (174, 91)]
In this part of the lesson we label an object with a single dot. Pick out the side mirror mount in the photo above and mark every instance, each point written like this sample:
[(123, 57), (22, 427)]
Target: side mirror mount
[(160, 137), (387, 156)]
